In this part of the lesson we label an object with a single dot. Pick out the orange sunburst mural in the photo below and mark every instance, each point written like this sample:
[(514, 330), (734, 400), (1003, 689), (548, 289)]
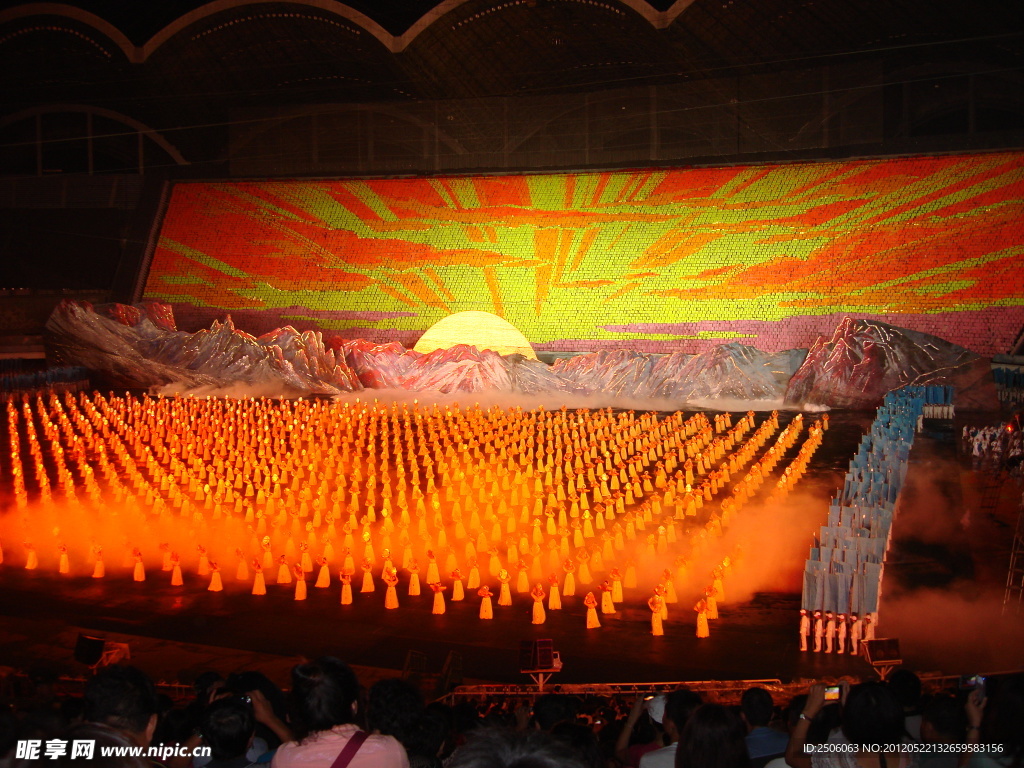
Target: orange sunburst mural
[(654, 260)]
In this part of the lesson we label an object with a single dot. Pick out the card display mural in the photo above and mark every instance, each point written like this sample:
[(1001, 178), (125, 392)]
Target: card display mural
[(650, 260)]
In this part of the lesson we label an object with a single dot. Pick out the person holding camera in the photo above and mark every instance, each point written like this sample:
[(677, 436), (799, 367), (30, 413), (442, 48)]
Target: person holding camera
[(995, 710), (228, 728), (225, 701), (870, 715)]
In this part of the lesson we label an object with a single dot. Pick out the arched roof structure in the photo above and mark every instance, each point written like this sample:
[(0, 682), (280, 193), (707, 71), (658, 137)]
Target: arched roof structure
[(196, 65), (396, 43)]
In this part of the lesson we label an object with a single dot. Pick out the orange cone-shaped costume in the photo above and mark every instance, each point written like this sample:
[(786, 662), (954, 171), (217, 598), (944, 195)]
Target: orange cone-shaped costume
[(99, 570), (176, 580), (486, 607), (414, 578), (702, 618), (655, 604), (538, 594), (323, 577), (203, 568), (439, 607), (139, 570), (458, 590), (712, 603), (607, 606), (391, 595), (554, 598), (284, 572), (569, 586), (259, 583), (505, 592), (346, 587), (591, 602), (367, 585), (215, 581)]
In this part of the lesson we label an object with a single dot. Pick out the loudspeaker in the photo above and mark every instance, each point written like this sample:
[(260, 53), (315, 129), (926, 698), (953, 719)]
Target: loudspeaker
[(526, 655), (882, 651), (89, 650), (545, 654), (536, 655)]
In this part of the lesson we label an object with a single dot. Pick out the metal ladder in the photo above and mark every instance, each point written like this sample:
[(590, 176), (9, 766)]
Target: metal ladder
[(415, 665), (992, 492), (1013, 598), (451, 674)]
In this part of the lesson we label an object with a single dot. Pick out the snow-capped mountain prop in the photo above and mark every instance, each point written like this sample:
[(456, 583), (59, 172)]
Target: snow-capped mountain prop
[(865, 359), (614, 373), (460, 368), (727, 371), (128, 346)]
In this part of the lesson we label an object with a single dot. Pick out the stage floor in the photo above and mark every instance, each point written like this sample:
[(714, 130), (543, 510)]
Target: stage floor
[(756, 639)]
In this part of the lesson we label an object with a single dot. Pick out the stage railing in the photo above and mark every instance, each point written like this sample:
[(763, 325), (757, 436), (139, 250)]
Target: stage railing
[(14, 681), (723, 690), (720, 691)]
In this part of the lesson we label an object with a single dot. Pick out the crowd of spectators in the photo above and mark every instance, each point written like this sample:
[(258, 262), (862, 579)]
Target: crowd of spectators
[(995, 447), (325, 720)]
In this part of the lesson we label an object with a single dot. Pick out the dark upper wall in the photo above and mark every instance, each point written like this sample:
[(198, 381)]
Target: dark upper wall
[(129, 91), (377, 87)]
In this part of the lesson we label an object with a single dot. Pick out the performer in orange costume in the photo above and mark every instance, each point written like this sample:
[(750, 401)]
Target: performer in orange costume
[(439, 607), (346, 586), (505, 593), (300, 581), (486, 607), (591, 602), (655, 603), (391, 596), (538, 594), (702, 618), (607, 606), (554, 598)]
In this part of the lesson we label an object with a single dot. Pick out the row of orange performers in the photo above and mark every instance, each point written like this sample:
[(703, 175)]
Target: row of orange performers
[(536, 502)]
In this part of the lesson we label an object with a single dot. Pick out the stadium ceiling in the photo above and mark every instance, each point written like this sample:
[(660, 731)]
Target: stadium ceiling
[(205, 56)]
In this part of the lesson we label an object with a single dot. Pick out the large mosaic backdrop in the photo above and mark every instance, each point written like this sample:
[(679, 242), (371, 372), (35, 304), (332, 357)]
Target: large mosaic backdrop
[(651, 260)]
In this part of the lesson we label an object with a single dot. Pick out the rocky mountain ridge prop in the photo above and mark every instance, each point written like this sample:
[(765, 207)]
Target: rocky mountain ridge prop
[(864, 359), (139, 346)]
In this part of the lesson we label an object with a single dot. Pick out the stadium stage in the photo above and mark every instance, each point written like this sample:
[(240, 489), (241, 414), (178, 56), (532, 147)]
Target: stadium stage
[(754, 638)]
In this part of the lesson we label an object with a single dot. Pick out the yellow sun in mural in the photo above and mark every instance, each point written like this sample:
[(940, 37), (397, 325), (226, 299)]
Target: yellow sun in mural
[(479, 329)]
